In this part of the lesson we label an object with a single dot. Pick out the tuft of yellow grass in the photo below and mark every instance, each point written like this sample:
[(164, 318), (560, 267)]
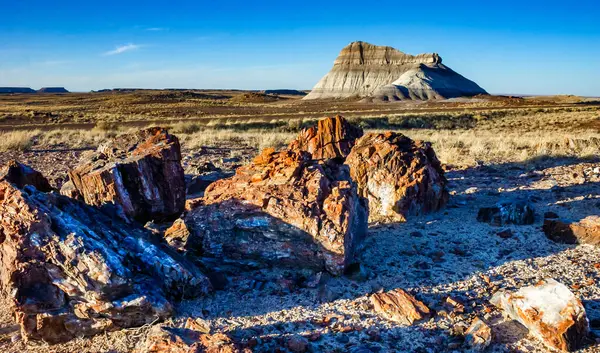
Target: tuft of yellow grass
[(17, 140)]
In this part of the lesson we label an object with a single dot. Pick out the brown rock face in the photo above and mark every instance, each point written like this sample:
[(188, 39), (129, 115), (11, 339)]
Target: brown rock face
[(397, 175), (331, 138), (21, 175), (586, 231), (399, 306), (141, 173), (550, 311), (72, 271), (282, 209)]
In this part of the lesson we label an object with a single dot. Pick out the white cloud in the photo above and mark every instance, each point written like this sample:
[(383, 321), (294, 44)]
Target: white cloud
[(156, 29), (53, 62), (122, 49)]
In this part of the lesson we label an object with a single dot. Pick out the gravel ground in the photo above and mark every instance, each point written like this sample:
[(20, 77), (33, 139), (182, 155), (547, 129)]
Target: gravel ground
[(446, 254)]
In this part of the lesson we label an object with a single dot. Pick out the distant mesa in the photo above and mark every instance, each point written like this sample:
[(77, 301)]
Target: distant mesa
[(16, 90), (52, 90), (382, 73), (288, 92)]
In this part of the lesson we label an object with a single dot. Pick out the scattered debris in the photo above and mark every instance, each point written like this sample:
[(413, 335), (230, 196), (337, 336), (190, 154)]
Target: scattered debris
[(163, 339)]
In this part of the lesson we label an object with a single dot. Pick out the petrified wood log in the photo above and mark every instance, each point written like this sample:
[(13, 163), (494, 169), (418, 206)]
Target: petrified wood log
[(331, 138), (73, 271), (399, 306), (550, 311), (586, 231), (140, 172), (398, 176), (282, 209), (519, 212)]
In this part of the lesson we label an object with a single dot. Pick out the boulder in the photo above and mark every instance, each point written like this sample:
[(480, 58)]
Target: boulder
[(478, 336), (140, 172), (398, 176), (550, 311), (21, 175), (518, 212), (73, 271), (331, 138), (282, 209), (399, 306), (586, 231)]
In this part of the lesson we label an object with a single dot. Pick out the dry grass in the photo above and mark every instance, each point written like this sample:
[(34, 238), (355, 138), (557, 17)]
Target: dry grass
[(467, 148), (17, 140), (75, 138), (459, 138), (258, 139)]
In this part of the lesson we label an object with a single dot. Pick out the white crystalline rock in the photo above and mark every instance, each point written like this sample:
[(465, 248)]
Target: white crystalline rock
[(550, 311)]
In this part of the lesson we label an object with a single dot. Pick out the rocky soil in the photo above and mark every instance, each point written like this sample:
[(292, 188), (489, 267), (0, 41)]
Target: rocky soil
[(447, 260)]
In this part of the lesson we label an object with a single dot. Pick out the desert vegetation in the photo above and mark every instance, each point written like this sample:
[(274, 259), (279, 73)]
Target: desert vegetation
[(459, 138)]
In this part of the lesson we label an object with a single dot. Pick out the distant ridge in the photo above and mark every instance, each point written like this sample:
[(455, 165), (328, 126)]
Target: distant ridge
[(290, 92), (14, 90), (5, 90), (52, 90), (364, 70)]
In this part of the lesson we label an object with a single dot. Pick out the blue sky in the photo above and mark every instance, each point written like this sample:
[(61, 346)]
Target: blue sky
[(530, 47)]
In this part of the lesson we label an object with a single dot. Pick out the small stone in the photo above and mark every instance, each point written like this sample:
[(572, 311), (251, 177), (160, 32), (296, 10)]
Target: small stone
[(471, 190), (454, 305), (342, 338), (505, 234), (399, 306), (297, 344), (15, 338), (478, 335)]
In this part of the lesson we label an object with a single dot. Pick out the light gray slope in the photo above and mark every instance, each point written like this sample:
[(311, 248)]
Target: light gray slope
[(362, 70)]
